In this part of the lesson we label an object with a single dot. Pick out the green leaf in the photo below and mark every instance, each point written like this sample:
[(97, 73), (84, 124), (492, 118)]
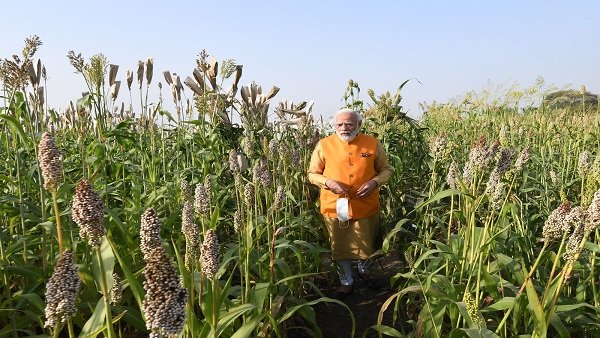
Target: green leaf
[(536, 308), (95, 323), (248, 328), (108, 263), (558, 325), (386, 330), (437, 197), (258, 295), (16, 127), (503, 304), (134, 284), (231, 315)]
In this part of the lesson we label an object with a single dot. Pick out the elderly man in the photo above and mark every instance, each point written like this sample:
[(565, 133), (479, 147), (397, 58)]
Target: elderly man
[(349, 167)]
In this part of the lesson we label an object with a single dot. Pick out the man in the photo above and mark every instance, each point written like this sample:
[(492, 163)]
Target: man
[(352, 166)]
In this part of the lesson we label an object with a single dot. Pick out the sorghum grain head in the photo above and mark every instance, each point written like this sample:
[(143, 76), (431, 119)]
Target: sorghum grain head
[(492, 182), (522, 159), (279, 196), (249, 195), (116, 293), (584, 164), (50, 162), (165, 300), (192, 235), (61, 291), (261, 173), (572, 249), (595, 169), (208, 188), (210, 254), (186, 191), (593, 212), (556, 224), (576, 216), (88, 213), (150, 233), (237, 221), (233, 161), (451, 177), (504, 159), (438, 147), (201, 201)]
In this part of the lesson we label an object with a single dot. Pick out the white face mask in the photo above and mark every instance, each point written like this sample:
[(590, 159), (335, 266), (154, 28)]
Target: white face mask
[(341, 207)]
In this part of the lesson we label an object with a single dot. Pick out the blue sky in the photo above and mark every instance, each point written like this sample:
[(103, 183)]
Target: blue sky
[(310, 49)]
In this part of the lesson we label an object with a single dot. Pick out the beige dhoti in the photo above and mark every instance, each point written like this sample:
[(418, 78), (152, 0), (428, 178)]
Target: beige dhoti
[(354, 239)]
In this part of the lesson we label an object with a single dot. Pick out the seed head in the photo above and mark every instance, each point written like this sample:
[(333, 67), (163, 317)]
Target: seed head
[(504, 158), (50, 162), (595, 169), (438, 147), (273, 146), (261, 173), (61, 291), (233, 161), (522, 159), (492, 182), (88, 213), (186, 191), (584, 164), (473, 310), (237, 221), (208, 188), (150, 233), (129, 77), (165, 300), (279, 196), (201, 201), (572, 250), (210, 254), (593, 213), (451, 177), (576, 216), (295, 158), (249, 195), (192, 235), (556, 224), (116, 293)]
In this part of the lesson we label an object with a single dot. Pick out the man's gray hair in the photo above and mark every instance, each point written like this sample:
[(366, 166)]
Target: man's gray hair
[(356, 113)]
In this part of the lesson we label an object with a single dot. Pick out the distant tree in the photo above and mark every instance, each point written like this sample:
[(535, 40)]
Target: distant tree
[(570, 99)]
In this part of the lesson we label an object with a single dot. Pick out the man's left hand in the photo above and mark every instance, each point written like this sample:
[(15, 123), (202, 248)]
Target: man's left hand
[(366, 189)]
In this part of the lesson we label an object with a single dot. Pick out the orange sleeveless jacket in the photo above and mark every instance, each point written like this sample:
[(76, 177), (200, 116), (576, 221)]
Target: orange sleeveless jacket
[(352, 164)]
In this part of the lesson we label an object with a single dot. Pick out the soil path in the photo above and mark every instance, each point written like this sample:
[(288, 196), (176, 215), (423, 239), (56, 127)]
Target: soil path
[(365, 303)]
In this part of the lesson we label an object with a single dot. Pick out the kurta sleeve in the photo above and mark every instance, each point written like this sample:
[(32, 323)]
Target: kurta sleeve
[(382, 166), (317, 167)]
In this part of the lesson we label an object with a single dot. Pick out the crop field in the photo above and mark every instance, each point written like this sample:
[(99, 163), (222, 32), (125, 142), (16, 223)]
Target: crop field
[(122, 218)]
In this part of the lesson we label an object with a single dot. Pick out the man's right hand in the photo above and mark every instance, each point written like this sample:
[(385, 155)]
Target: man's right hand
[(336, 187)]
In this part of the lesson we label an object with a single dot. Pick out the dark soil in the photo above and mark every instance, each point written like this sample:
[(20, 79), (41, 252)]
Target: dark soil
[(365, 303)]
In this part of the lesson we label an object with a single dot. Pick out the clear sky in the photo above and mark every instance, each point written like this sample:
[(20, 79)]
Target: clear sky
[(310, 49)]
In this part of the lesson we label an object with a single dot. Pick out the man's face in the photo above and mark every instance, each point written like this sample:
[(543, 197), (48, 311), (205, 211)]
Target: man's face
[(346, 126)]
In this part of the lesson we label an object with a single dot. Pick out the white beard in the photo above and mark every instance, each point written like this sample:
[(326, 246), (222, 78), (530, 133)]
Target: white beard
[(347, 138)]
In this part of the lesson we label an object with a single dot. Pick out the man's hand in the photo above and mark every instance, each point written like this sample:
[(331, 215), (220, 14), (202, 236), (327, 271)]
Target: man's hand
[(336, 187), (366, 189)]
